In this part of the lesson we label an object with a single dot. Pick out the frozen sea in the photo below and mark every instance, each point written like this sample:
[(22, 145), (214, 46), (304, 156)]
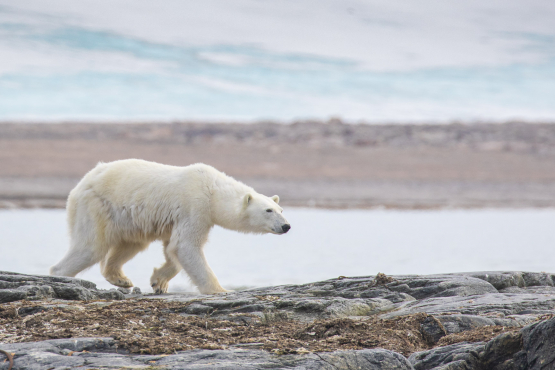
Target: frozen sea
[(245, 60), (322, 244)]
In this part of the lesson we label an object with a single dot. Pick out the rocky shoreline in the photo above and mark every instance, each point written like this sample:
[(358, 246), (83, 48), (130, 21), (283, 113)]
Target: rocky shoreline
[(481, 320)]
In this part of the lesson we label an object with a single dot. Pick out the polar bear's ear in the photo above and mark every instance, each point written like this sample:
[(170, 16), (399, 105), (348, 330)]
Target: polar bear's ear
[(275, 198), (246, 200)]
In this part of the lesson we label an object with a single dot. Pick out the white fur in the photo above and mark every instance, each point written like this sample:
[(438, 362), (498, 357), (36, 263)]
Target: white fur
[(119, 208)]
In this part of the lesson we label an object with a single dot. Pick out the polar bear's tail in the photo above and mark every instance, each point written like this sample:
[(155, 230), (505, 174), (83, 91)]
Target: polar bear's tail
[(71, 210), (76, 193)]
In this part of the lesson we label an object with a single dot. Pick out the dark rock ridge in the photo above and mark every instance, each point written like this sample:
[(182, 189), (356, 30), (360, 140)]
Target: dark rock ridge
[(460, 301), (455, 303)]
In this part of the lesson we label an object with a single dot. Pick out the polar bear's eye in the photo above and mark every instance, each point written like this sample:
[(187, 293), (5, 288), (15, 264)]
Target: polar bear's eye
[(268, 210)]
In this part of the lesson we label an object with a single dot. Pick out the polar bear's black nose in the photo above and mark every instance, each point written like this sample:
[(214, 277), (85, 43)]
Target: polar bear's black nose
[(286, 228)]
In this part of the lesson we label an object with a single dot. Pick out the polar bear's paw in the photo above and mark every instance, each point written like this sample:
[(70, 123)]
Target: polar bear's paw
[(160, 279), (160, 286), (121, 281)]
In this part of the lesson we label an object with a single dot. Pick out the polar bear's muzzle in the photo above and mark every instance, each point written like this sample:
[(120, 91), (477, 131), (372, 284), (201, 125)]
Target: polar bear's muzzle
[(280, 229)]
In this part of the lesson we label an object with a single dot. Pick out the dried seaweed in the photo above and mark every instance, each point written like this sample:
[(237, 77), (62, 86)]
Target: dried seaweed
[(157, 327)]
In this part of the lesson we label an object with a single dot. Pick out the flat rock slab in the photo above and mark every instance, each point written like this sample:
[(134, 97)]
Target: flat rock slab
[(520, 293), (455, 323), (101, 353), (505, 279), (15, 287), (502, 304)]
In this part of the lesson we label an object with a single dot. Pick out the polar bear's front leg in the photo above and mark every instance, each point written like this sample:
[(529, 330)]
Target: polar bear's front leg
[(190, 255), (161, 277)]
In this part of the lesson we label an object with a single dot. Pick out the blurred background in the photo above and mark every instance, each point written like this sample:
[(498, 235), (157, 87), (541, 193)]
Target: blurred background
[(246, 60), (402, 137)]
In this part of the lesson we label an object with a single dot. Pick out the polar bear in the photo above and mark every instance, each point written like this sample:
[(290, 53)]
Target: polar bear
[(120, 207)]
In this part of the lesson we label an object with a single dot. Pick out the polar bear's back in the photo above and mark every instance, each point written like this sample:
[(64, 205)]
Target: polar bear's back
[(133, 181), (136, 193)]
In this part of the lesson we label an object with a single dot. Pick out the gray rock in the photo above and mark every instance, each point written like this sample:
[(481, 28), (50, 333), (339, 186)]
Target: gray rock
[(539, 345), (421, 287), (499, 350), (500, 279), (15, 287), (466, 293), (73, 292), (529, 289), (460, 323), (101, 352), (455, 365), (506, 279), (341, 307), (532, 348), (255, 359), (538, 279), (515, 320), (57, 345), (455, 303), (432, 329), (111, 294), (494, 354), (371, 359), (10, 295), (197, 309), (500, 303), (38, 360), (26, 311), (22, 279), (416, 286), (467, 353), (359, 296), (52, 354)]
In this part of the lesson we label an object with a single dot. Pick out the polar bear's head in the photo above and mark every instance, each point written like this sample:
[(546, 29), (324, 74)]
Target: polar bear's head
[(264, 215)]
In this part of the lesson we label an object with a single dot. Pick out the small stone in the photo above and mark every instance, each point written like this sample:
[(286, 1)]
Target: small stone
[(432, 330), (137, 290), (26, 311), (11, 295), (110, 294), (197, 309)]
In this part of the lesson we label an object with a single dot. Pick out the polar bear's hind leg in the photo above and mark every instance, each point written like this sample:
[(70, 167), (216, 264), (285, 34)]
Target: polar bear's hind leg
[(78, 258), (111, 265)]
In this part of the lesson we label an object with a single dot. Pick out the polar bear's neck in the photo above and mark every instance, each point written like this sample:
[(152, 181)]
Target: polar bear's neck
[(226, 202)]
